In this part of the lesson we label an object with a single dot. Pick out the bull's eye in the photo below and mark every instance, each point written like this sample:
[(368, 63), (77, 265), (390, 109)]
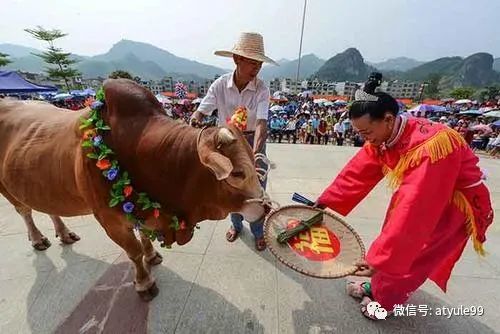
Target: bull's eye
[(238, 174)]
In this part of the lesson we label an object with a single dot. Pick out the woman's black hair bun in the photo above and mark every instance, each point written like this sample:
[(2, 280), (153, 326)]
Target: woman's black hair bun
[(374, 80)]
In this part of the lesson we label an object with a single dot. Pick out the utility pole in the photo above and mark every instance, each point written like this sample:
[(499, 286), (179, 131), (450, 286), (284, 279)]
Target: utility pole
[(301, 37)]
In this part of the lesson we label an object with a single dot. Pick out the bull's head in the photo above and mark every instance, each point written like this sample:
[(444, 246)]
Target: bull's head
[(229, 157)]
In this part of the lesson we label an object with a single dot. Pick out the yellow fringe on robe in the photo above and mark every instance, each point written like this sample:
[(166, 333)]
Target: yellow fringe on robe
[(436, 148)]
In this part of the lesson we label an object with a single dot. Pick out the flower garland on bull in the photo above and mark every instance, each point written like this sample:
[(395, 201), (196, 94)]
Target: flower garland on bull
[(122, 192)]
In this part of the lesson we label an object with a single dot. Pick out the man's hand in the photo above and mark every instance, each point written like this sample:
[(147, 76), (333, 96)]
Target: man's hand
[(364, 269), (196, 119)]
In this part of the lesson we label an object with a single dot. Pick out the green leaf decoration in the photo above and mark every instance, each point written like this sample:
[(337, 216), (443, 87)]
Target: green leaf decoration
[(175, 223), (100, 95), (92, 155), (114, 202)]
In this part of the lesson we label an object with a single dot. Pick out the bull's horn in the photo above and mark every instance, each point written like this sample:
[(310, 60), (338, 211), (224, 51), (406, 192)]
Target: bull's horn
[(225, 136)]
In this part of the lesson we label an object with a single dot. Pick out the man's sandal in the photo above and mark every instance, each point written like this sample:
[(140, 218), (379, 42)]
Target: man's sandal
[(358, 290)]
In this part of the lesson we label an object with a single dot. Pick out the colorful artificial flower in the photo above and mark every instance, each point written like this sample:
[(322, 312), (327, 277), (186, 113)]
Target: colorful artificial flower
[(103, 164), (96, 105), (97, 140), (127, 191), (128, 207), (88, 134), (156, 213), (112, 173), (182, 225), (239, 118)]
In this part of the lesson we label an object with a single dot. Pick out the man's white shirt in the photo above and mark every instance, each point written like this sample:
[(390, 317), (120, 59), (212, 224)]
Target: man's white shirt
[(224, 96)]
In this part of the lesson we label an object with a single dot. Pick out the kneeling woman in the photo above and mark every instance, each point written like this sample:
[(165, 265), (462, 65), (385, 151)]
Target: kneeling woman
[(439, 201)]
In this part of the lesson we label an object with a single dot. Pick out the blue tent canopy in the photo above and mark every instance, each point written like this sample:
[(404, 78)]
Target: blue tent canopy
[(12, 82)]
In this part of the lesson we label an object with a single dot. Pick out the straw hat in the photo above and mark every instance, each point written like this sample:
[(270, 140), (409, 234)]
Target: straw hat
[(249, 45)]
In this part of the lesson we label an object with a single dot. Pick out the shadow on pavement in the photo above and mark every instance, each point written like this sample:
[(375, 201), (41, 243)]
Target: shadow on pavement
[(71, 301)]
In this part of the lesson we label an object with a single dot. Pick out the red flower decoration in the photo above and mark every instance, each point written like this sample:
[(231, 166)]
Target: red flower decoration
[(156, 213), (127, 191), (103, 164), (183, 225)]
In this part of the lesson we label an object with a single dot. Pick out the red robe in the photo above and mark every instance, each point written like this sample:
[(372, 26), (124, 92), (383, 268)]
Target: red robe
[(439, 203)]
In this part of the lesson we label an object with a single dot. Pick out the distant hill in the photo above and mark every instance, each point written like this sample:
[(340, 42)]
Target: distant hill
[(309, 64), (442, 66), (141, 59), (496, 64), (474, 71), (147, 54), (346, 66), (400, 64), (150, 62), (16, 51)]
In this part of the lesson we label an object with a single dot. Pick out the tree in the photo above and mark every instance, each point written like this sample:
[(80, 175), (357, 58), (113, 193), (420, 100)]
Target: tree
[(121, 74), (4, 60), (431, 85), (55, 56), (462, 93), (491, 93)]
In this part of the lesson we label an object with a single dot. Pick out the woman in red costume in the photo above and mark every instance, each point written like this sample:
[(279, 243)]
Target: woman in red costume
[(439, 203)]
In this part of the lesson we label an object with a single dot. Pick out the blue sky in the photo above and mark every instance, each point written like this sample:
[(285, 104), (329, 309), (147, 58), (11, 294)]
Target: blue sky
[(421, 29)]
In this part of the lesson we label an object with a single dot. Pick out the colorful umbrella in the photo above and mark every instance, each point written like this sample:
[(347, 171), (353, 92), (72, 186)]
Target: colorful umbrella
[(493, 113)]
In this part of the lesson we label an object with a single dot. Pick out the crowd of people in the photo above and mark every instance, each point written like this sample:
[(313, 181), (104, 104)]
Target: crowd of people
[(312, 123)]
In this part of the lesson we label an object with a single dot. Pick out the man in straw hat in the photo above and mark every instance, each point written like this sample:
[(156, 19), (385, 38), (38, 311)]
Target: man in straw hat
[(236, 89)]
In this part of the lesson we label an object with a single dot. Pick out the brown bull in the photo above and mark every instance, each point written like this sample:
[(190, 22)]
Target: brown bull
[(194, 174)]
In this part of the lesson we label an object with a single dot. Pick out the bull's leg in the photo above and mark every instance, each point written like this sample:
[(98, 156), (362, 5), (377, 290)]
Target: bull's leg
[(38, 240), (151, 256), (62, 232), (124, 237)]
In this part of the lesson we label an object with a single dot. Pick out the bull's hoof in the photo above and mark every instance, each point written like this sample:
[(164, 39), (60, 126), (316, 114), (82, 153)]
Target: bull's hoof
[(68, 238), (155, 260), (42, 245), (149, 294)]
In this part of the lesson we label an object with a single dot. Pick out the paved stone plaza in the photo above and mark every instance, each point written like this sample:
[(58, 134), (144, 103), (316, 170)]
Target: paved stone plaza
[(211, 286)]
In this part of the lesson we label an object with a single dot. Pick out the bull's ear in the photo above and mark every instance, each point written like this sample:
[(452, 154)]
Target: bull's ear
[(220, 165), (210, 157)]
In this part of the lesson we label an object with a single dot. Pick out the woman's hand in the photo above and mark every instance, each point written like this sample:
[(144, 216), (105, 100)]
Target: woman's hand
[(363, 269), (317, 205)]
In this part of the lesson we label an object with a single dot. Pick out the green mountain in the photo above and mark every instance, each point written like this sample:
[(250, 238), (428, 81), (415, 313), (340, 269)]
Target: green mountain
[(141, 59), (442, 66), (16, 51), (496, 64), (473, 71), (346, 66), (400, 64), (147, 53), (309, 64)]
